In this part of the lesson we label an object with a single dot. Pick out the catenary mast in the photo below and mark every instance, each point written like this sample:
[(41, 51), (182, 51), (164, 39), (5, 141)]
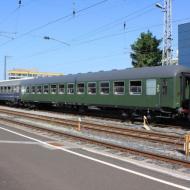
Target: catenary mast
[(167, 40)]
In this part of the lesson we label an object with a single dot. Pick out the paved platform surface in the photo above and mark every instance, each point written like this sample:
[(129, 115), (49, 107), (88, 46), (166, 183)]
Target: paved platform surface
[(28, 162)]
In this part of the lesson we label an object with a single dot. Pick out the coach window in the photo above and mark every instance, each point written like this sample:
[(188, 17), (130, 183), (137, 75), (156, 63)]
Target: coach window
[(8, 89), (17, 89), (92, 88), (80, 88), (14, 89), (61, 89), (46, 89), (53, 89), (38, 89), (135, 88), (119, 88), (11, 89), (70, 88), (104, 88), (27, 89), (33, 90), (151, 87), (5, 89)]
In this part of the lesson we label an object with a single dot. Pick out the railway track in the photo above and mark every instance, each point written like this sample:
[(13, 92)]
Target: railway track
[(145, 135), (150, 155), (127, 132)]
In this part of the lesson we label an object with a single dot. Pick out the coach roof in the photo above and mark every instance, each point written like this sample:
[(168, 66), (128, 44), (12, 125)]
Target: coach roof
[(12, 82), (131, 73)]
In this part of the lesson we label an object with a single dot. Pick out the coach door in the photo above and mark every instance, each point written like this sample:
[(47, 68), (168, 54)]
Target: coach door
[(185, 86), (164, 93)]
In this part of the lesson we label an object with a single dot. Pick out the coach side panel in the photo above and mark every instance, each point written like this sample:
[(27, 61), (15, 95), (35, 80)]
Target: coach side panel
[(152, 93)]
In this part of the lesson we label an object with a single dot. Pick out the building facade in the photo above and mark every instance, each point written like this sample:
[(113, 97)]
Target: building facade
[(184, 44), (24, 73)]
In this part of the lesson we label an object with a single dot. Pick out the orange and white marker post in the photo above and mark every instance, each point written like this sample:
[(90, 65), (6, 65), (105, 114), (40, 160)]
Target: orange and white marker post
[(187, 145)]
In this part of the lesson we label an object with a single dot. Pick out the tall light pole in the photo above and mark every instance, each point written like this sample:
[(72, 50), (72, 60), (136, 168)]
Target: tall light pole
[(5, 66), (167, 38)]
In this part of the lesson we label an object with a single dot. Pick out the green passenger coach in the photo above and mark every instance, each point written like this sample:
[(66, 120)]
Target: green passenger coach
[(163, 89)]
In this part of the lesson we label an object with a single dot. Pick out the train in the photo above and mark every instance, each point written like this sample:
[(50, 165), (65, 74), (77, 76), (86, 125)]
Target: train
[(158, 91)]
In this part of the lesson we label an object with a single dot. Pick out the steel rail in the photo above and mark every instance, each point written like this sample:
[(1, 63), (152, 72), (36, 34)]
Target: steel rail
[(135, 133)]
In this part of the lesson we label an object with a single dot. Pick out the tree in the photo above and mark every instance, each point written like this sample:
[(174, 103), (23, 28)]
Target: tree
[(145, 51)]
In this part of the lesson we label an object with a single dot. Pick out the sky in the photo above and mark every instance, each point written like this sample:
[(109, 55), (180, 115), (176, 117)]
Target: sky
[(85, 35)]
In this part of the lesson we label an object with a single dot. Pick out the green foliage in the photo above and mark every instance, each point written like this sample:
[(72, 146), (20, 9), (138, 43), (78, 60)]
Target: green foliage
[(145, 51)]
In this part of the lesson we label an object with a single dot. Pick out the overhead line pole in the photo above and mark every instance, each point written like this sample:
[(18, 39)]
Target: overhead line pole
[(167, 38), (167, 53), (5, 66)]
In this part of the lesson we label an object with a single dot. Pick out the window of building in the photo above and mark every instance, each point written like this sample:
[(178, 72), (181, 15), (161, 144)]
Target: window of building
[(70, 88), (61, 89), (33, 90), (119, 88), (135, 88), (92, 88), (104, 88), (80, 88), (46, 89), (53, 88), (164, 87), (38, 89), (151, 87)]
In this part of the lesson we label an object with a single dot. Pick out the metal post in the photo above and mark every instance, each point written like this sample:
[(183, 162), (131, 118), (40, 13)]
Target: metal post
[(167, 38), (187, 144), (145, 123), (5, 67), (167, 41)]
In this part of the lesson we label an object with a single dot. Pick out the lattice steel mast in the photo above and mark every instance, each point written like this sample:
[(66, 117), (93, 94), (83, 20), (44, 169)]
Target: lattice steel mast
[(167, 40)]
